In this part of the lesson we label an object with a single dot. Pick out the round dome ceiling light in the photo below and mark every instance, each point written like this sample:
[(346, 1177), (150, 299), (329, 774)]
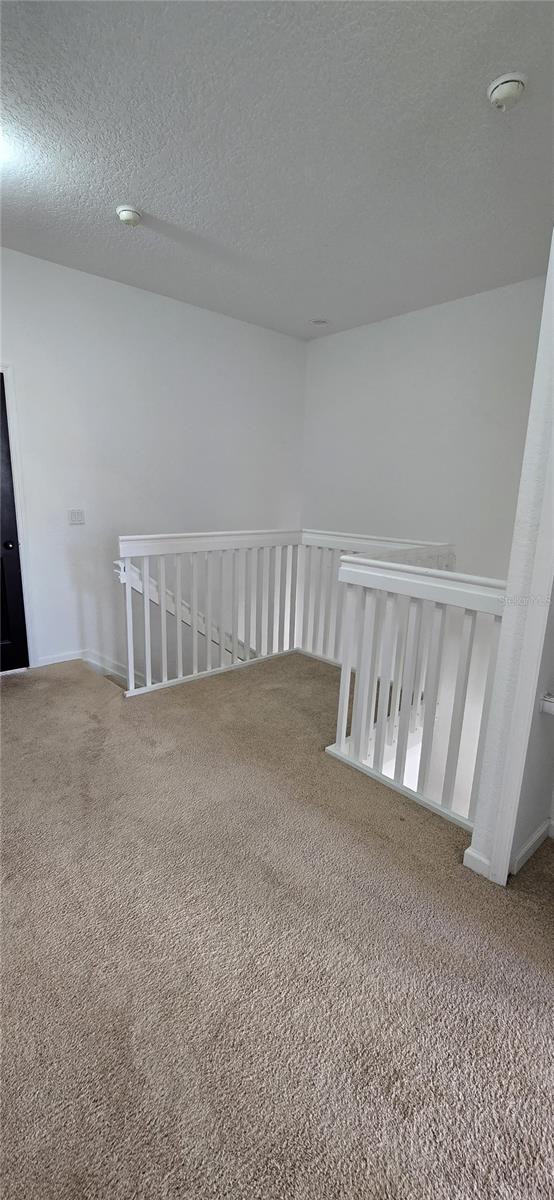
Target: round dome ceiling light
[(128, 215), (505, 91)]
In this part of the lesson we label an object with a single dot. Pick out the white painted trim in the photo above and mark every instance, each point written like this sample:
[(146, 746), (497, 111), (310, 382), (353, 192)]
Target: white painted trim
[(137, 545), (310, 536), (107, 666), (366, 543), (99, 662), (20, 509), (523, 629), (537, 838), (446, 813), (429, 572), (546, 704), (477, 862), (251, 662), (424, 583)]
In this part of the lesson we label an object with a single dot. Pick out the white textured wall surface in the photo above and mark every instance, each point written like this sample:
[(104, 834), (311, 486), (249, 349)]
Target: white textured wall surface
[(150, 414), (415, 426)]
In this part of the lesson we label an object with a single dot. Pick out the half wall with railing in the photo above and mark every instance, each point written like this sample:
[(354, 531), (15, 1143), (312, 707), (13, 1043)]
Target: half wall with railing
[(204, 602), (416, 641), (419, 645)]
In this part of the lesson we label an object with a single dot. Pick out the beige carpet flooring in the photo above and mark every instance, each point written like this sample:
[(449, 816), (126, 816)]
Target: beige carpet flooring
[(235, 969)]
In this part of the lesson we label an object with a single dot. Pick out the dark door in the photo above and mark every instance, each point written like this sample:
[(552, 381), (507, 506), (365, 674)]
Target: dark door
[(13, 635)]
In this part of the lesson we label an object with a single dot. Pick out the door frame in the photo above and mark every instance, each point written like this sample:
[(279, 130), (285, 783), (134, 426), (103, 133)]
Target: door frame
[(20, 509)]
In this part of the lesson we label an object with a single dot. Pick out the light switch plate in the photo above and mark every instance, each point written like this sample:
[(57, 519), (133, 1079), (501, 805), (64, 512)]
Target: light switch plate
[(76, 516)]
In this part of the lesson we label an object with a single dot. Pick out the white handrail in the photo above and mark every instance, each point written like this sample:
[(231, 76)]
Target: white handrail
[(447, 587), (415, 569), (136, 545)]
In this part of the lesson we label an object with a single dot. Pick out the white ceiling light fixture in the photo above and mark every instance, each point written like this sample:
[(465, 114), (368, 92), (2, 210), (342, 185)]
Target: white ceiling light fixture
[(507, 90), (319, 321), (128, 215)]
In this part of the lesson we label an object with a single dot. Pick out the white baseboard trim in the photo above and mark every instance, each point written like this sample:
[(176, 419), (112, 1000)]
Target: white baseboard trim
[(48, 660), (537, 838), (551, 829), (99, 662), (105, 666), (477, 862)]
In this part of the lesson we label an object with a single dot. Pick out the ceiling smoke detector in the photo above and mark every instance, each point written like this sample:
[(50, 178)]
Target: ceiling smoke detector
[(128, 215), (505, 91)]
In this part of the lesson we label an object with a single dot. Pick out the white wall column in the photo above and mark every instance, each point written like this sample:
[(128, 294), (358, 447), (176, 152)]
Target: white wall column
[(529, 586)]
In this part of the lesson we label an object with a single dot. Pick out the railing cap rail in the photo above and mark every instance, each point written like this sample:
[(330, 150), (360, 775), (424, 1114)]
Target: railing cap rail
[(135, 545), (435, 572), (425, 583), (310, 536)]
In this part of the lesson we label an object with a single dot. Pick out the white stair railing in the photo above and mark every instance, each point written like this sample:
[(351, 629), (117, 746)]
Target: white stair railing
[(235, 592), (421, 644), (257, 593)]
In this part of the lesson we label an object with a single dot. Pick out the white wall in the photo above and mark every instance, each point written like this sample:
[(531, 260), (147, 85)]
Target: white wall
[(154, 415), (150, 414), (415, 426)]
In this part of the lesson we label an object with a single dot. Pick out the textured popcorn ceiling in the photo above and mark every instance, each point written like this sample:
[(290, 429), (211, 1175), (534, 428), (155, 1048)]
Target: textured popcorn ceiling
[(293, 160)]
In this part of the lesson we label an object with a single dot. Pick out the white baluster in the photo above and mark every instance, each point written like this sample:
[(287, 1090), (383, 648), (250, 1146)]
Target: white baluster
[(270, 626), (385, 675), (458, 708), (295, 604), (179, 614), (403, 604), (380, 607), (234, 605), (283, 559), (332, 633), (431, 694), (194, 611), (146, 604), (307, 600), (221, 585), (491, 668), (348, 644), (361, 720), (319, 599), (257, 580), (208, 617), (128, 564), (314, 597), (247, 602), (338, 631), (408, 677), (421, 665), (163, 615)]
